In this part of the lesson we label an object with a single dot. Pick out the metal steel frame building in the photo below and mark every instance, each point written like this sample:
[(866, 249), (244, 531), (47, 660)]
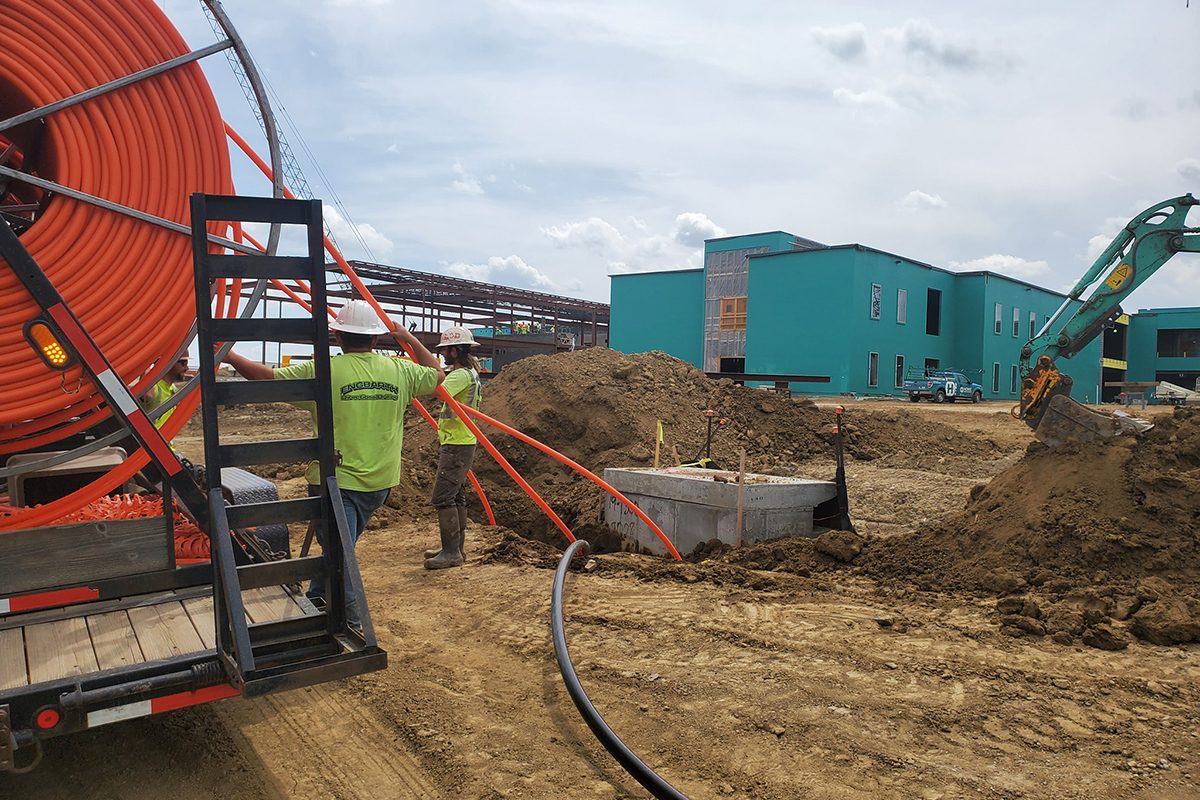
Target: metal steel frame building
[(509, 323)]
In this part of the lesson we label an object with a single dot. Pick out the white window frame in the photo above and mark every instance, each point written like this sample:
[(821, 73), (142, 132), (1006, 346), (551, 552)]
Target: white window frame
[(899, 372), (876, 301), (999, 318), (995, 377), (1016, 323), (902, 306), (872, 358)]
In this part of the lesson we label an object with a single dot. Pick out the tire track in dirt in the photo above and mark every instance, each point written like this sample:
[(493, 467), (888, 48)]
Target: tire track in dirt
[(322, 741)]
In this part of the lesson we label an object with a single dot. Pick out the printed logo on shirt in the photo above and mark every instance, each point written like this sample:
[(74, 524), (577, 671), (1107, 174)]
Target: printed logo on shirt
[(370, 390)]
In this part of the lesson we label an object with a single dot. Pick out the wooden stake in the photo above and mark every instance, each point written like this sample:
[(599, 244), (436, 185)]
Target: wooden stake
[(741, 501), (658, 434)]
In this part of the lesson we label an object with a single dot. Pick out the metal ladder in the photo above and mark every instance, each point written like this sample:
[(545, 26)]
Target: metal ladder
[(307, 649)]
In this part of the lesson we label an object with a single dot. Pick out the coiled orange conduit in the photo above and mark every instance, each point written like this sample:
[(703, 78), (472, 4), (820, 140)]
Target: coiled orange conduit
[(148, 146), (96, 257)]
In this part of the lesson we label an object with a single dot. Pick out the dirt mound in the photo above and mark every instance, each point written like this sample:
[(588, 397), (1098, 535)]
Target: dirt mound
[(600, 408), (1101, 518)]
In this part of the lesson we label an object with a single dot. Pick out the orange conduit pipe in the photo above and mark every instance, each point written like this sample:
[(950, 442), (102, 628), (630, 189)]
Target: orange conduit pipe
[(584, 471), (463, 412), (52, 512), (487, 507), (244, 146), (147, 146)]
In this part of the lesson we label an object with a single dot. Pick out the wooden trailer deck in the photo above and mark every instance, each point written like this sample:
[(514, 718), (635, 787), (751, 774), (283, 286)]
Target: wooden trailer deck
[(47, 645)]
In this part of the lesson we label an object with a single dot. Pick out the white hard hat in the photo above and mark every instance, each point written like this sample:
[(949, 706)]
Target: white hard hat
[(357, 316), (456, 334)]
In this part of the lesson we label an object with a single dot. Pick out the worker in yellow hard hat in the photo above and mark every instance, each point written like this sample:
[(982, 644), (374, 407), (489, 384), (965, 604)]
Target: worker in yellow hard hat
[(456, 447), (370, 395)]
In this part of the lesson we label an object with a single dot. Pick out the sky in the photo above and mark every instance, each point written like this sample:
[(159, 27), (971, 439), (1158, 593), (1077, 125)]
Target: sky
[(548, 144)]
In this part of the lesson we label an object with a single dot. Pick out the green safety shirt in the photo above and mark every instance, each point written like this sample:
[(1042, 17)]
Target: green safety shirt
[(370, 394), (464, 385), (159, 393)]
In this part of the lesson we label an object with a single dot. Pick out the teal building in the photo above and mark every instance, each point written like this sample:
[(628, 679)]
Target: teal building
[(841, 319), (1163, 344)]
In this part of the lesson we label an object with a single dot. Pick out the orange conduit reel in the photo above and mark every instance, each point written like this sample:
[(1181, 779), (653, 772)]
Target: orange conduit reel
[(147, 146), (96, 182)]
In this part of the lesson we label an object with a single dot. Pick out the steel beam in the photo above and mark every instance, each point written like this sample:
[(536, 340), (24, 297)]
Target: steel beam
[(105, 88)]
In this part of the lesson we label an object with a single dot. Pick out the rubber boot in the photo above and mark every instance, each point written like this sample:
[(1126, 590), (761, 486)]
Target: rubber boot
[(462, 535), (451, 555), (462, 531)]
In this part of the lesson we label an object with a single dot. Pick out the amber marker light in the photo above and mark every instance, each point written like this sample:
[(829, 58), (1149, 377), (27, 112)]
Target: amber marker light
[(46, 345)]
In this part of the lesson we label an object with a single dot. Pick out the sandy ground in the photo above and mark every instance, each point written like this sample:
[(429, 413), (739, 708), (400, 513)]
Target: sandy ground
[(730, 683)]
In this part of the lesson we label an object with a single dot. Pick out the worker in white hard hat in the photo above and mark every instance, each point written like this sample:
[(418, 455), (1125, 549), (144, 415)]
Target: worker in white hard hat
[(370, 395), (456, 447)]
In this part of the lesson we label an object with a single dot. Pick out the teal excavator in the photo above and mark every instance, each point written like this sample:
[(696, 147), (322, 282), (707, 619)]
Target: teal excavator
[(1145, 244)]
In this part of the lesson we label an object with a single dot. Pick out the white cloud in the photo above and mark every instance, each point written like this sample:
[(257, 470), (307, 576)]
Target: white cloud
[(917, 200), (693, 227), (869, 99), (642, 248), (845, 42), (1189, 170), (593, 233), (353, 236), (1012, 266), (509, 271), (465, 182), (919, 38)]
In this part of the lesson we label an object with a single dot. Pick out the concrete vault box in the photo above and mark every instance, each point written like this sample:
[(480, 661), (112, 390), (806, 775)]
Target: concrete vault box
[(694, 505)]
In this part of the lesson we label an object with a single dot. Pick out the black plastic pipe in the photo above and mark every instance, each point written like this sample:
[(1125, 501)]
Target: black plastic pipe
[(647, 777)]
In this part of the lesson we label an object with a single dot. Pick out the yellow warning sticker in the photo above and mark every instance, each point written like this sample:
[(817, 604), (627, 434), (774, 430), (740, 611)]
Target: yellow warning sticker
[(1119, 276)]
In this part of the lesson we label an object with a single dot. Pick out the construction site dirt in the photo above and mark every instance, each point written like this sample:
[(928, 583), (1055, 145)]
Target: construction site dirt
[(1009, 622)]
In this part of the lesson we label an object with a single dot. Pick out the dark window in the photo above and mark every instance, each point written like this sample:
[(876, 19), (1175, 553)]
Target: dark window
[(734, 365), (873, 369), (933, 312), (899, 371), (1012, 380), (1016, 322), (1032, 324), (995, 379), (932, 364), (1179, 343), (999, 318)]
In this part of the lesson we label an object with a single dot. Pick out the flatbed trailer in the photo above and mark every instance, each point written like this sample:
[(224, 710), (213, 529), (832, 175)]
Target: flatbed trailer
[(99, 622)]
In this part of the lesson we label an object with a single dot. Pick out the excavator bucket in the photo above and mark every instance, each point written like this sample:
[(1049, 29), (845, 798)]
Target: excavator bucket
[(1056, 419), (1065, 421)]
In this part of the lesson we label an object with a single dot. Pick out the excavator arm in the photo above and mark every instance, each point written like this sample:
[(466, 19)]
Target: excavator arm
[(1145, 244)]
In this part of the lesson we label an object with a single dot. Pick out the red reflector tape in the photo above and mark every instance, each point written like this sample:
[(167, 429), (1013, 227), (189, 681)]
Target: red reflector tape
[(62, 597), (157, 705), (184, 699)]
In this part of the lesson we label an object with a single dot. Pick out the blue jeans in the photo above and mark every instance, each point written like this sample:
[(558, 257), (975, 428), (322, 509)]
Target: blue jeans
[(359, 507)]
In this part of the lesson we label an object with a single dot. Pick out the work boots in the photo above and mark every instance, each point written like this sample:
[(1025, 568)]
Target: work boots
[(451, 552), (462, 531), (462, 535)]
